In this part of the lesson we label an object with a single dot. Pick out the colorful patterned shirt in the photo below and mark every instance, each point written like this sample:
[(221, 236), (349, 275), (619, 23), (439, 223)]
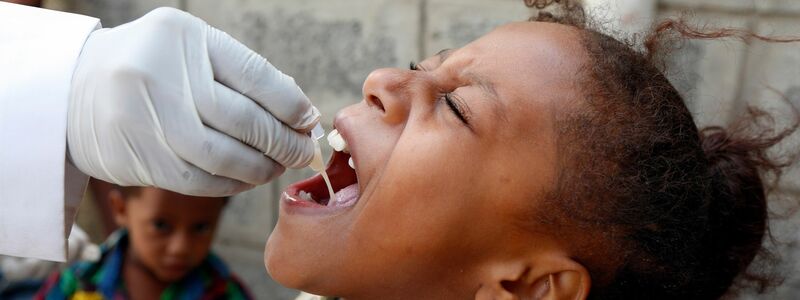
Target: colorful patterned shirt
[(103, 279)]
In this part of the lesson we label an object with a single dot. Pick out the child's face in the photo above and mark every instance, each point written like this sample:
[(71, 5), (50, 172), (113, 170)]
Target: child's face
[(439, 199), (169, 233)]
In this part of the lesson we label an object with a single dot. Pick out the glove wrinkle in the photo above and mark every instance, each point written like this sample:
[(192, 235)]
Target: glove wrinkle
[(169, 101)]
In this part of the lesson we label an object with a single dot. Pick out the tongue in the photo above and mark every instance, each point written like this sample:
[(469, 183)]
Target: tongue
[(346, 196)]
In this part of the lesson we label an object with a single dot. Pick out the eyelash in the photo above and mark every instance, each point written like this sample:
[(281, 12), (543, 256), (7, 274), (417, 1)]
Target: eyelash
[(447, 97)]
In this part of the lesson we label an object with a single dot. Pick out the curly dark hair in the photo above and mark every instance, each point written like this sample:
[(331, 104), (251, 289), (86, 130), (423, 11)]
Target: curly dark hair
[(673, 211)]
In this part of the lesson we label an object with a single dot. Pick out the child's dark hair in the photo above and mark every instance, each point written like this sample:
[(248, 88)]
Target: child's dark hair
[(674, 212), (130, 191)]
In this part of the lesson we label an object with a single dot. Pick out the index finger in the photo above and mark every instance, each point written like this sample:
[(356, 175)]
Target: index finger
[(250, 74)]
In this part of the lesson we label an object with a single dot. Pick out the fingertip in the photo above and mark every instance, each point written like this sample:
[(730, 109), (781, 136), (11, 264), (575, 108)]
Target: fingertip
[(240, 188), (298, 112), (309, 120), (225, 187), (269, 171), (277, 171), (217, 186)]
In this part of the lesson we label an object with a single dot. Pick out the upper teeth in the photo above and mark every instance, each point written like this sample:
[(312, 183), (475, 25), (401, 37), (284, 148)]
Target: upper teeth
[(337, 142), (351, 163)]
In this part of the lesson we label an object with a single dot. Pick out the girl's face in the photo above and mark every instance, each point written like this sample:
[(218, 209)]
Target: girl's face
[(451, 160)]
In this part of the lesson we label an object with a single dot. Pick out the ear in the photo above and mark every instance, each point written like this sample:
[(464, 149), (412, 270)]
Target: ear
[(118, 208), (555, 278)]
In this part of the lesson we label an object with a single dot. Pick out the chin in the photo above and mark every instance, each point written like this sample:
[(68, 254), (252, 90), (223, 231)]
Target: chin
[(171, 277), (281, 268), (296, 269)]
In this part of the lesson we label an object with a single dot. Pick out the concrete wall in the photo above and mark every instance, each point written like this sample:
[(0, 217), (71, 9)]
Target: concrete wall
[(330, 47), (719, 79)]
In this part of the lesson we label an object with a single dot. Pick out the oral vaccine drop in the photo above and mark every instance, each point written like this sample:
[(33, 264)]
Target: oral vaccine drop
[(337, 142), (318, 164)]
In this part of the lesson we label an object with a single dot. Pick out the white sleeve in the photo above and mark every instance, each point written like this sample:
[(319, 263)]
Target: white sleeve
[(39, 190)]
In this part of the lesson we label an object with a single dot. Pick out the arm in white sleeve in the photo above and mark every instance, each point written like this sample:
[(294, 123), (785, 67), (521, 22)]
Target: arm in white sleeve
[(39, 189), (14, 269)]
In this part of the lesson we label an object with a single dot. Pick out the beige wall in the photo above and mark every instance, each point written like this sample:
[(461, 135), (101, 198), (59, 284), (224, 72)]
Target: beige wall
[(330, 47)]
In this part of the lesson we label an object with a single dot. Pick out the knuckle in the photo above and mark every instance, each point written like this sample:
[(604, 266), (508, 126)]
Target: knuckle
[(164, 15), (168, 21)]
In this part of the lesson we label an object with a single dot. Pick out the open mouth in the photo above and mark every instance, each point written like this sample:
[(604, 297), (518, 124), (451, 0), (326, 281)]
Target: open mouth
[(313, 191)]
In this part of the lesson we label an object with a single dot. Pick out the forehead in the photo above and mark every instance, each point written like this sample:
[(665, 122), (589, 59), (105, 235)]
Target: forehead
[(532, 67), (535, 70), (527, 54), (156, 201), (531, 42)]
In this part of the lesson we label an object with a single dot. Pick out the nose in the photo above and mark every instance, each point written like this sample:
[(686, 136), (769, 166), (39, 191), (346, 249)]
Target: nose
[(179, 244), (389, 91)]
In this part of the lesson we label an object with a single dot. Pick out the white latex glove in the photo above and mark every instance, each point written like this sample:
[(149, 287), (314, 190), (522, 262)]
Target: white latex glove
[(171, 102)]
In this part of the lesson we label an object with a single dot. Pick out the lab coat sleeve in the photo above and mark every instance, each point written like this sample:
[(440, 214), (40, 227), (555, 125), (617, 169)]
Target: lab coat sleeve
[(39, 189)]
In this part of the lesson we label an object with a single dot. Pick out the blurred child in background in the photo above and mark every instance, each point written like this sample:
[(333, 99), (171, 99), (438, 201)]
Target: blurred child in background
[(162, 251)]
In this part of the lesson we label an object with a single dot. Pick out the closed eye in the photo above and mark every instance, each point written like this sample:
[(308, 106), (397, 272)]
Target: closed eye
[(161, 225), (414, 66), (454, 104)]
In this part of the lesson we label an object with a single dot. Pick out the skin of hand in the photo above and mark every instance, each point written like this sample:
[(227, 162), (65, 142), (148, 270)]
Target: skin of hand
[(448, 210)]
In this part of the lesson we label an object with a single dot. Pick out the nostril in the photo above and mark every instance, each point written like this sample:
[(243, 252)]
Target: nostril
[(375, 101)]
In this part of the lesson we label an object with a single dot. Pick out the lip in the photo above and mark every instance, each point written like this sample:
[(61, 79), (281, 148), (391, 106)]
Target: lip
[(342, 124), (176, 268), (340, 178), (292, 206), (291, 202)]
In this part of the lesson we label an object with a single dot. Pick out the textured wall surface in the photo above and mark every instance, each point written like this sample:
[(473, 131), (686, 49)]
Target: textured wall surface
[(330, 47), (721, 78)]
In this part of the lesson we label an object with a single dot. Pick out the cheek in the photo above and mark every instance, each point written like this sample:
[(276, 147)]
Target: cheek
[(372, 134), (436, 164), (201, 246), (147, 246), (427, 200)]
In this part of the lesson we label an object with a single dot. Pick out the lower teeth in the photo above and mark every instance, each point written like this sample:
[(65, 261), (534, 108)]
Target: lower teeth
[(305, 196)]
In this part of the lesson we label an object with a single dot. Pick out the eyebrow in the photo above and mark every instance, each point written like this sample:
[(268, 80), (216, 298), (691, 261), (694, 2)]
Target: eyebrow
[(484, 83), (443, 54), (487, 87)]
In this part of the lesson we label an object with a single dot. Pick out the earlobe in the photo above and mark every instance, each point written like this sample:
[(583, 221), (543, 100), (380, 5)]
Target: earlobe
[(572, 284), (541, 288), (555, 281)]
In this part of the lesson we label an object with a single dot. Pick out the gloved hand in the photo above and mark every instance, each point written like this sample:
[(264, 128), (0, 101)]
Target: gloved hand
[(171, 102)]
